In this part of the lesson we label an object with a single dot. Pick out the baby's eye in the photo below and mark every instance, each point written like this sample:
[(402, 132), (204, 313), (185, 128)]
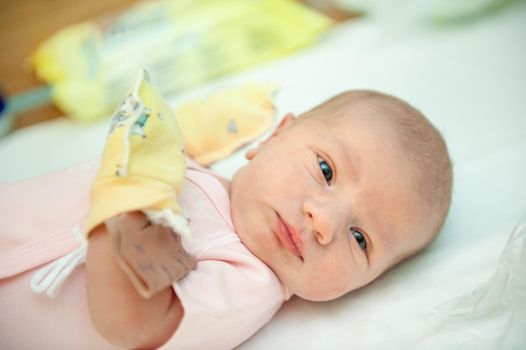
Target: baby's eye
[(326, 170), (360, 239)]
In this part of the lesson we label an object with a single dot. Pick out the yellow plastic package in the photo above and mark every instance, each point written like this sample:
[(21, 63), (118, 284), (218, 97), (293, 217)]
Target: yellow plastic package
[(181, 43)]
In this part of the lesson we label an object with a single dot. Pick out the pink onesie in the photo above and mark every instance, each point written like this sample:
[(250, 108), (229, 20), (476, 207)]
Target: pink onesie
[(227, 298)]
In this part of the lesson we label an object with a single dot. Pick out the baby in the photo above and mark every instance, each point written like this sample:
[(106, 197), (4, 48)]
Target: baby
[(330, 201)]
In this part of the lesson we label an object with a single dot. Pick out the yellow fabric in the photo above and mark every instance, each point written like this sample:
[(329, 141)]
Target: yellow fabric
[(215, 127), (143, 163)]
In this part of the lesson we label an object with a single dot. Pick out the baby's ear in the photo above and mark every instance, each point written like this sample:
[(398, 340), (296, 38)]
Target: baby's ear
[(287, 120)]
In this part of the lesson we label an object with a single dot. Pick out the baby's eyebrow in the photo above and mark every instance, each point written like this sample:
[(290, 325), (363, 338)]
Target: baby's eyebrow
[(350, 160), (381, 237)]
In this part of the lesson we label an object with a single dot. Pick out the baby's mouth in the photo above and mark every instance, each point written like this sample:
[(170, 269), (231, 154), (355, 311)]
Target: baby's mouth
[(288, 238)]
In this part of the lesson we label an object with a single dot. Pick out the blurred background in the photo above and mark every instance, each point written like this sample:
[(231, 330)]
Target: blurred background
[(63, 59), (24, 25)]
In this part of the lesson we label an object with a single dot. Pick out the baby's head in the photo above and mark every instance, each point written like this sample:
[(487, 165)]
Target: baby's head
[(342, 193)]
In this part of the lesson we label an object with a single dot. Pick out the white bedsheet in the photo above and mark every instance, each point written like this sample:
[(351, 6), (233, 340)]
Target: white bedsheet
[(470, 81)]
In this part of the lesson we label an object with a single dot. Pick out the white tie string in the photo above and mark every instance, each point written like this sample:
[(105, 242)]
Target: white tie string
[(49, 279)]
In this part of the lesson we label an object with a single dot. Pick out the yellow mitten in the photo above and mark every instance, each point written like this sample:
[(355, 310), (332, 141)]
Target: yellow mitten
[(216, 127), (143, 163)]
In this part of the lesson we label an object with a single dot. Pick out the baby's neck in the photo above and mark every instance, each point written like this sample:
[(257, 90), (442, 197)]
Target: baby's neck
[(225, 182)]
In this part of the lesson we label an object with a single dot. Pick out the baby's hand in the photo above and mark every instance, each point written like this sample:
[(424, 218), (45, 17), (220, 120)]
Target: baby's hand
[(152, 255)]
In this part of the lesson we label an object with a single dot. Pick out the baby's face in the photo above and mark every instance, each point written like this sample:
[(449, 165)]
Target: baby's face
[(327, 206)]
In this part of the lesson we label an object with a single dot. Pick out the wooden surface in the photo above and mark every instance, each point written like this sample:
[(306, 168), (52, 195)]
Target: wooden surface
[(26, 23), (23, 25)]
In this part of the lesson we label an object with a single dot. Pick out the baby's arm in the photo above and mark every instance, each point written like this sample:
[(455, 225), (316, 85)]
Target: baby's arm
[(118, 312)]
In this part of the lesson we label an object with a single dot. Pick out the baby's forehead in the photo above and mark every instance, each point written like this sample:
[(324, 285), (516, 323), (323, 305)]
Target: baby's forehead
[(366, 114), (405, 241)]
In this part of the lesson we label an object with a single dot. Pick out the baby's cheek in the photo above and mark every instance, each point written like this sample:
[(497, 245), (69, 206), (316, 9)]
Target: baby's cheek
[(324, 284)]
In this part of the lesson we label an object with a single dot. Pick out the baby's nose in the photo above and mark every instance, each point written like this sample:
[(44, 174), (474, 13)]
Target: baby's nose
[(322, 219)]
